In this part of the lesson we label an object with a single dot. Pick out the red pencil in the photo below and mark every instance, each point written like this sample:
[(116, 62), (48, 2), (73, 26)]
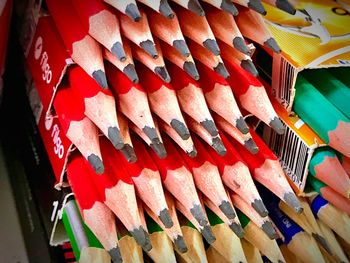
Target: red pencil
[(252, 96), (127, 150), (96, 215), (346, 164), (225, 5), (77, 127), (192, 5), (99, 104), (127, 7), (163, 101), (219, 97), (84, 50), (161, 6)]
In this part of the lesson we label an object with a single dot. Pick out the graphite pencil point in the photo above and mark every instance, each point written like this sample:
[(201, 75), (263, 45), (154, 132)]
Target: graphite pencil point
[(229, 7), (257, 6), (293, 201), (165, 9), (133, 12), (129, 153), (248, 65), (195, 7), (321, 240), (180, 128), (115, 137), (272, 44), (209, 125), (100, 78), (277, 125), (208, 235), (212, 45), (180, 244), (267, 227), (96, 163), (182, 47), (241, 125), (163, 73), (237, 229), (118, 51), (151, 134), (115, 255), (221, 69), (251, 146), (191, 69), (165, 217), (285, 6), (192, 153), (227, 209), (159, 149), (239, 44), (259, 207), (197, 213), (219, 146), (150, 48), (131, 73), (142, 238)]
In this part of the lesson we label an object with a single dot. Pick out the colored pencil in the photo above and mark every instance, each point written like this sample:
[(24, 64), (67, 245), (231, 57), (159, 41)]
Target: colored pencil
[(214, 141), (333, 217), (346, 164), (207, 178), (197, 29), (244, 61), (213, 256), (219, 97), (264, 223), (287, 254), (326, 167), (101, 24), (132, 101), (341, 73), (333, 89), (253, 27), (187, 64), (192, 5), (163, 101), (207, 58), (282, 4), (83, 49), (96, 215), (192, 100), (169, 31), (160, 6), (99, 104), (344, 245), (139, 33), (128, 7), (127, 66), (255, 5), (127, 150), (251, 253), (266, 169), (235, 175), (77, 127), (255, 236), (146, 178), (333, 127), (245, 139), (94, 254), (225, 28), (225, 5), (252, 96), (157, 65)]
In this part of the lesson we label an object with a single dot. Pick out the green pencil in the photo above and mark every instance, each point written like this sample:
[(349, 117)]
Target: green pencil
[(341, 73)]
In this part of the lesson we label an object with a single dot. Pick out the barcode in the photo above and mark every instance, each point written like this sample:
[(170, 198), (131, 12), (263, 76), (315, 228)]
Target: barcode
[(291, 151)]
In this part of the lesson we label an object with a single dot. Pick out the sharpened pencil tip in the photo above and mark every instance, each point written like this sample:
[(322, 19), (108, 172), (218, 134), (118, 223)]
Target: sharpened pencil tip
[(209, 125), (191, 70), (229, 7), (212, 46), (257, 6), (195, 7), (240, 45), (237, 229), (100, 78), (293, 202), (251, 146), (198, 214), (277, 125), (96, 163), (192, 153), (151, 133), (115, 255), (259, 207), (115, 137), (159, 149), (119, 51), (219, 146), (208, 234), (180, 128), (131, 73), (150, 48), (165, 9), (165, 217), (267, 227), (272, 44), (227, 209), (248, 65), (142, 238), (221, 69), (162, 72), (182, 47), (242, 126), (180, 244), (322, 241), (286, 6), (129, 153), (133, 12)]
